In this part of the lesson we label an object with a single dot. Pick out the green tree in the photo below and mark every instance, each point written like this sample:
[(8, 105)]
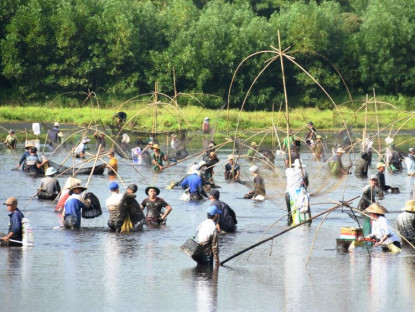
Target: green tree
[(387, 60)]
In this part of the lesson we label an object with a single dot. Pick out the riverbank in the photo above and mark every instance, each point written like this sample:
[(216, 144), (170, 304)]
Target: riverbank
[(191, 117)]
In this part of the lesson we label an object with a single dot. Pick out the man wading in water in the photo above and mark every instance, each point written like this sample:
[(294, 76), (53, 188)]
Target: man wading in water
[(155, 205)]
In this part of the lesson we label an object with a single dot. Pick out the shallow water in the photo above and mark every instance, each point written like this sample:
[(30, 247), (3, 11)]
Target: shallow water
[(95, 270)]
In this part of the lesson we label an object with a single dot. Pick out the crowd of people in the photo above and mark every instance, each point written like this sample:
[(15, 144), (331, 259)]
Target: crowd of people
[(127, 214)]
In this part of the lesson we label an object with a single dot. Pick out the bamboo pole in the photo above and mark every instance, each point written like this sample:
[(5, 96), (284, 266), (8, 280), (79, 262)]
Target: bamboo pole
[(341, 204)]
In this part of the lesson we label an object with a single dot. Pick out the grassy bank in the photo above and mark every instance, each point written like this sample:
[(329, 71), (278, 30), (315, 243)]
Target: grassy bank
[(191, 117)]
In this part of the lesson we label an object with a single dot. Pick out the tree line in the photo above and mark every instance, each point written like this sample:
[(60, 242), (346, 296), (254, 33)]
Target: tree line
[(123, 47)]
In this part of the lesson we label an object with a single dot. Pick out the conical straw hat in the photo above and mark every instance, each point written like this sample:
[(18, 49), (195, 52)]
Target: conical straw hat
[(377, 209)]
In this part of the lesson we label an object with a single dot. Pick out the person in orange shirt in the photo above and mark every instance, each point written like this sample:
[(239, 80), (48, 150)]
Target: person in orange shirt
[(112, 164)]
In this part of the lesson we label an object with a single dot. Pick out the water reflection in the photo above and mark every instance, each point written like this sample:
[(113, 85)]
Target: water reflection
[(205, 281)]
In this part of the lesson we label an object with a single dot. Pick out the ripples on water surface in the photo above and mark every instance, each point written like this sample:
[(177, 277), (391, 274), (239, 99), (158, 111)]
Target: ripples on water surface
[(94, 270)]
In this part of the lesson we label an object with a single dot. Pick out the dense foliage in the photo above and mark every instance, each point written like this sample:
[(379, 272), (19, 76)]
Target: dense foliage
[(123, 47)]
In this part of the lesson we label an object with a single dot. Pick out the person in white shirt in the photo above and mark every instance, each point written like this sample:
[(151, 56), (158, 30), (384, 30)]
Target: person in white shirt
[(297, 177), (381, 229), (207, 236), (116, 210)]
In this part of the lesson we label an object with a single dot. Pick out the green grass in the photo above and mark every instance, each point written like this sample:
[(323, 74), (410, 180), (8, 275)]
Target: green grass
[(222, 120)]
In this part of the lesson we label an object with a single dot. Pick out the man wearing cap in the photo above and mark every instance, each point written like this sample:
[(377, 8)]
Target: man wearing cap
[(207, 236), (33, 162), (369, 193), (252, 151), (15, 225), (206, 125), (232, 170), (73, 206), (112, 164), (100, 138), (115, 209), (157, 208), (381, 177), (406, 222), (227, 219), (26, 154), (50, 185), (53, 135), (381, 230), (318, 148), (10, 140), (336, 164), (82, 148), (195, 184), (157, 157), (410, 162), (259, 185)]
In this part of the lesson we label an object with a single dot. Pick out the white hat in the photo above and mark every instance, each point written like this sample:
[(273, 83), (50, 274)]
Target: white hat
[(202, 163), (86, 140), (340, 150), (50, 171), (194, 167), (389, 140), (71, 181), (207, 118), (253, 169), (56, 124), (298, 163), (230, 157)]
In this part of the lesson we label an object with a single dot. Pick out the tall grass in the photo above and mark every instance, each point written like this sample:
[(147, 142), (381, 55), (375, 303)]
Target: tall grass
[(221, 120)]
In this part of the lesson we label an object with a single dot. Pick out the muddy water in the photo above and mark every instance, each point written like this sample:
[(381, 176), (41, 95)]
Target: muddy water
[(95, 270)]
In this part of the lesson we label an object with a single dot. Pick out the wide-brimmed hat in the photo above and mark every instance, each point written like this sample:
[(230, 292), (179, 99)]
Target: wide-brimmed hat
[(50, 171), (340, 150), (71, 181), (381, 164), (10, 201), (56, 124), (253, 169), (156, 146), (152, 187), (298, 163), (377, 209), (28, 145), (213, 210), (201, 164), (253, 144), (78, 186), (374, 177), (411, 149), (86, 140), (410, 206), (230, 157)]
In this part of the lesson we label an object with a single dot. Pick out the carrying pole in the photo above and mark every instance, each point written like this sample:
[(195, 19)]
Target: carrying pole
[(343, 203)]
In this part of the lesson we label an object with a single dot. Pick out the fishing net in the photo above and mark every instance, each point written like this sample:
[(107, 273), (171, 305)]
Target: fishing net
[(94, 210)]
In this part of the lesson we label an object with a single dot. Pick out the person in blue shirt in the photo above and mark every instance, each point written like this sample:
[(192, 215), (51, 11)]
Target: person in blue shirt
[(33, 162), (15, 225), (74, 204), (194, 183), (26, 154)]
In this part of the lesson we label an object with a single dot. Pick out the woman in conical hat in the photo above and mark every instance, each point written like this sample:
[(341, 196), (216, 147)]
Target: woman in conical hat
[(381, 229)]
